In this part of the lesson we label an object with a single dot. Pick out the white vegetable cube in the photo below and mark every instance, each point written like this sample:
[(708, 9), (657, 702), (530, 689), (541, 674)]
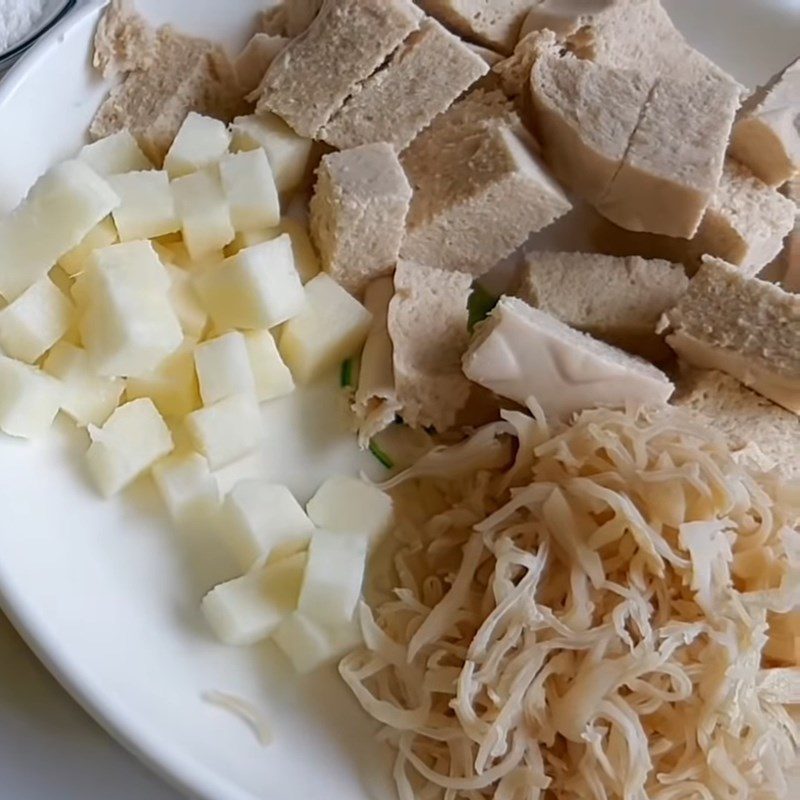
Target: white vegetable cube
[(306, 260), (186, 304), (29, 399), (200, 142), (103, 234), (223, 368), (129, 264), (35, 321), (86, 396), (188, 488), (147, 208), (332, 326), (272, 377), (257, 288), (246, 610), (333, 578), (250, 189), (61, 208), (226, 431), (251, 238), (133, 438), (115, 154), (172, 385), (349, 505), (265, 522), (203, 212), (309, 645), (287, 152)]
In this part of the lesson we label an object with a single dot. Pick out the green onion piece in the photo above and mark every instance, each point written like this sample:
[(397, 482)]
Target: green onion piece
[(381, 455), (480, 305), (347, 374)]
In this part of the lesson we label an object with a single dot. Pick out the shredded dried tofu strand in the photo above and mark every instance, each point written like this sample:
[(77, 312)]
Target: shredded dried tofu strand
[(595, 627)]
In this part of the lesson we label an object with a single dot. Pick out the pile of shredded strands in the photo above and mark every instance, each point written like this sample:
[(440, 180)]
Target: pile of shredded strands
[(587, 619)]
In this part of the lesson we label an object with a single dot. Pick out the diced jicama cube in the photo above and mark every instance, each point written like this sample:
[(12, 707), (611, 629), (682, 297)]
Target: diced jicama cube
[(191, 314), (306, 260), (181, 258), (273, 378), (115, 154), (228, 430), (35, 321), (200, 142), (248, 609), (332, 326), (245, 239), (264, 522), (132, 439), (103, 234), (147, 208), (188, 488), (333, 577), (86, 396), (223, 368), (349, 505), (250, 189), (257, 288), (172, 385), (29, 399), (309, 645), (60, 209), (203, 212), (287, 152)]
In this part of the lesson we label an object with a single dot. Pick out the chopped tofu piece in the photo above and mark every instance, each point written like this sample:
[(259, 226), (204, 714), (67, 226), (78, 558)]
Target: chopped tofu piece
[(288, 153), (35, 321), (331, 327), (428, 326), (766, 137), (300, 14), (132, 439), (253, 61), (115, 154), (674, 159), (273, 378), (200, 143), (358, 214), (186, 303), (86, 396), (618, 300), (791, 277), (264, 523), (203, 211), (493, 24), (29, 399), (746, 418), (425, 75), (104, 234), (375, 404), (128, 325), (59, 211), (226, 431), (257, 288), (172, 385), (188, 488), (349, 505), (223, 368), (746, 222), (248, 609), (462, 219), (250, 189), (147, 208), (357, 36), (124, 41), (743, 326), (309, 645), (521, 352), (306, 260), (333, 577)]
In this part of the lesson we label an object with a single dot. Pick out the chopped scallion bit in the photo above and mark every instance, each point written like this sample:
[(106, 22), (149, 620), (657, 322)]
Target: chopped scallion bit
[(381, 455), (347, 374), (480, 305)]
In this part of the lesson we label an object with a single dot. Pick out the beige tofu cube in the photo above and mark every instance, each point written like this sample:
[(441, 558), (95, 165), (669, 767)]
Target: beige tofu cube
[(427, 323), (358, 213), (427, 73), (479, 188), (300, 14), (766, 137), (253, 61), (791, 278), (355, 35)]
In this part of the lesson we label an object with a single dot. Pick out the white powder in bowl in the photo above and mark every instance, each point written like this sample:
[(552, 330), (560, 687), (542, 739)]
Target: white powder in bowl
[(17, 20)]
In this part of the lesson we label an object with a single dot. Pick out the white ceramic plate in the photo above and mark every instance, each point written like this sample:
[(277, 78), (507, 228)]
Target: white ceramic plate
[(104, 592)]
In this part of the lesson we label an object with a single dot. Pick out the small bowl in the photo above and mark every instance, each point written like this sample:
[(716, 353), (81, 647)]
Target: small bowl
[(54, 11)]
